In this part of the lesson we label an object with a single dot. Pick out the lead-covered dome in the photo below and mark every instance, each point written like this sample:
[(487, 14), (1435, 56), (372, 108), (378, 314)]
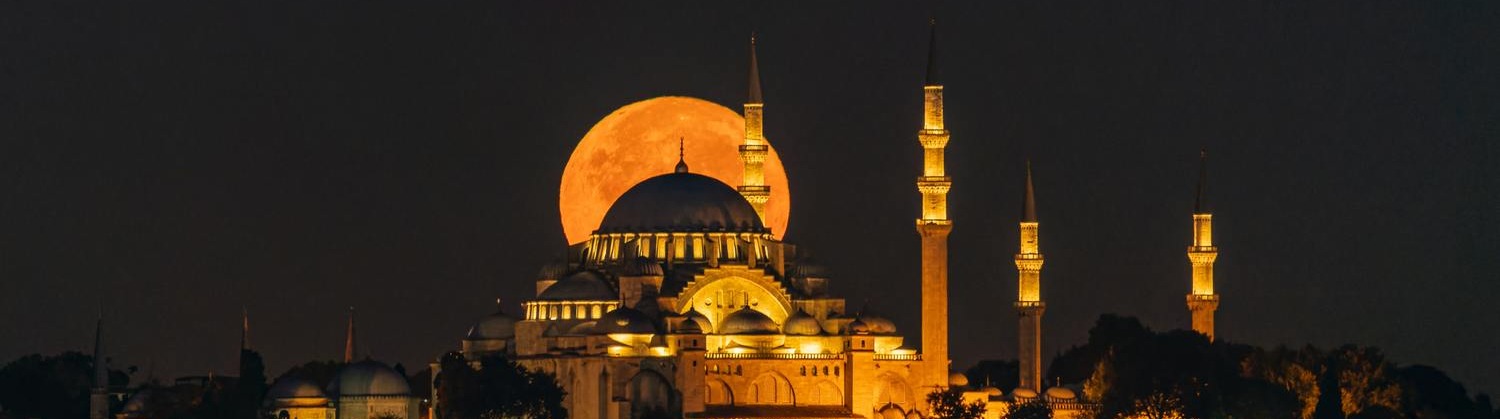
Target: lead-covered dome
[(747, 321), (295, 392), (368, 378), (681, 202), (579, 286), (497, 326), (801, 323), (625, 320)]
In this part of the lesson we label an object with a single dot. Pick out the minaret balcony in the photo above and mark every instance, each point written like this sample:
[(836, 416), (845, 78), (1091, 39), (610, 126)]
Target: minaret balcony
[(933, 138), (934, 184)]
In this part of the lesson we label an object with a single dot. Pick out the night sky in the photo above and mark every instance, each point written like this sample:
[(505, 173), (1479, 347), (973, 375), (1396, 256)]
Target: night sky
[(174, 161)]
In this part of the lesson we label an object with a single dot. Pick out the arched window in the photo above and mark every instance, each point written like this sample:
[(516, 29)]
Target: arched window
[(717, 392), (770, 388)]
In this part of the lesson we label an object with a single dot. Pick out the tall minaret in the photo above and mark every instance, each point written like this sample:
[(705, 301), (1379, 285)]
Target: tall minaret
[(1202, 302), (99, 392), (244, 335), (934, 225), (1029, 303), (349, 339), (753, 151)]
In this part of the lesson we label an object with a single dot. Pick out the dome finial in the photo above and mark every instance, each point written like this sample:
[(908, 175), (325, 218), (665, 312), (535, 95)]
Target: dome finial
[(681, 156)]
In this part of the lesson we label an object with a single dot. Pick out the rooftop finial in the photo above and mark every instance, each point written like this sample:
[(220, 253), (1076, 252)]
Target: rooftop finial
[(681, 156), (1028, 204), (754, 84), (932, 55), (1200, 203)]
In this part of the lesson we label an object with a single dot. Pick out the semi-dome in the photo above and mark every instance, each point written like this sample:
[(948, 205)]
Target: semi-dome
[(1023, 393), (496, 326), (747, 321), (801, 323), (992, 391), (681, 202), (1060, 393), (368, 378), (642, 266), (579, 286), (625, 320)]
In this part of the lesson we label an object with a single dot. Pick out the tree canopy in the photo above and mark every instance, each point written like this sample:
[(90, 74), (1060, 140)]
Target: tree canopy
[(498, 388)]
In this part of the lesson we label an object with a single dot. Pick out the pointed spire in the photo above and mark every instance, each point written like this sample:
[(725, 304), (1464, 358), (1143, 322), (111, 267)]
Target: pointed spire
[(1028, 203), (1200, 203), (244, 328), (349, 339), (681, 156), (101, 370), (754, 96), (932, 56)]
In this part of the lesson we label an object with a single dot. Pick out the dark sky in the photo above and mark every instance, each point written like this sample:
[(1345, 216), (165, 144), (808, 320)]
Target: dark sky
[(178, 160)]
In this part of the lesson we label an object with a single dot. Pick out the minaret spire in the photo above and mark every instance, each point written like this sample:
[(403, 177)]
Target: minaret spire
[(244, 329), (682, 166), (753, 151), (99, 391), (349, 339), (1202, 302), (934, 225), (1029, 303)]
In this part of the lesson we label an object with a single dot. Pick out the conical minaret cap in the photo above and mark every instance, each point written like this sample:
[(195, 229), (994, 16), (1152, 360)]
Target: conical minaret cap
[(933, 78), (1028, 202), (101, 371), (1200, 202), (754, 85)]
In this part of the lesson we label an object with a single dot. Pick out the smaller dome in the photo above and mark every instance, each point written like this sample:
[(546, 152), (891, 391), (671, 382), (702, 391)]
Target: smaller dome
[(856, 327), (891, 411), (992, 391), (625, 320), (699, 322), (803, 324), (496, 326), (294, 388), (1060, 393), (878, 325), (958, 379), (579, 286), (368, 378), (642, 266), (747, 321), (1023, 393)]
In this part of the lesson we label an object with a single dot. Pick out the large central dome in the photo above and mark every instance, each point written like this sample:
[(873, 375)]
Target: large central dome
[(681, 202)]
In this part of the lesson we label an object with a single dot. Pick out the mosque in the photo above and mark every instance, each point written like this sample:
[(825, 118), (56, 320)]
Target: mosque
[(683, 301)]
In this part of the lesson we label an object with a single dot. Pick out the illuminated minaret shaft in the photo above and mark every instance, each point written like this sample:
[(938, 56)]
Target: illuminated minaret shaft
[(934, 225), (1029, 305), (753, 151), (1203, 301)]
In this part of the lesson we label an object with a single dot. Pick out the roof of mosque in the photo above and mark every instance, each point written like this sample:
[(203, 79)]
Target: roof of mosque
[(494, 326), (579, 286), (294, 388), (368, 378), (748, 321), (625, 320), (801, 323), (681, 202)]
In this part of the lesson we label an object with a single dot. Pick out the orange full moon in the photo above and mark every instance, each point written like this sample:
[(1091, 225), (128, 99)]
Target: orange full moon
[(639, 141)]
